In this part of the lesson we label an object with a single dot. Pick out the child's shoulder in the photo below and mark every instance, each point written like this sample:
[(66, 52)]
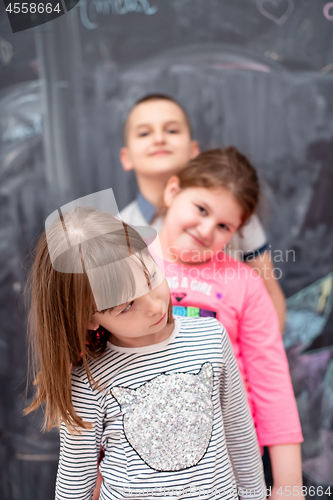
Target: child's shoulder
[(208, 331), (100, 367), (199, 325), (130, 213)]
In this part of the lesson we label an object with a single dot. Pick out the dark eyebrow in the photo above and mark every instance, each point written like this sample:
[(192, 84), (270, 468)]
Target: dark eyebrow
[(200, 202), (177, 122), (169, 122), (115, 308), (122, 306)]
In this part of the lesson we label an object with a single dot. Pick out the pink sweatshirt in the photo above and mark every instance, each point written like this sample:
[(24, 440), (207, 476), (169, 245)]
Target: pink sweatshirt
[(235, 294)]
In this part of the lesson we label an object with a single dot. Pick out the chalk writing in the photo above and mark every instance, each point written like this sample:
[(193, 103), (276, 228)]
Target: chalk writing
[(276, 10), (308, 311), (90, 9), (327, 11), (6, 51), (15, 131), (273, 55), (305, 32), (327, 68)]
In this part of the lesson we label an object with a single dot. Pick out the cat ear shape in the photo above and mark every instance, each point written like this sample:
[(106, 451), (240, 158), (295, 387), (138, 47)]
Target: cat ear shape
[(123, 395), (206, 375)]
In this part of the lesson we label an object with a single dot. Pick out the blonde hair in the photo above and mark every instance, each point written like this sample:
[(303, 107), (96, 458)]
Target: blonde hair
[(62, 302)]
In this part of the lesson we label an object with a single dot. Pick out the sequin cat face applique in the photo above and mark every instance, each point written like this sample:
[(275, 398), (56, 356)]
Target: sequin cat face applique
[(168, 421)]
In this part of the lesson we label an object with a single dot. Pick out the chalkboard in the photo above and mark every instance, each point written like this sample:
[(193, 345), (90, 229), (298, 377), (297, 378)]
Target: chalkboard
[(254, 73)]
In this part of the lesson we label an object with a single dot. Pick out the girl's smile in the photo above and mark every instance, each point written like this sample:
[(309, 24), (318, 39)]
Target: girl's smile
[(159, 321), (200, 242)]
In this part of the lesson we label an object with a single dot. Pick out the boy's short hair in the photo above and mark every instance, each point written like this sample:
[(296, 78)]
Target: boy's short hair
[(158, 97)]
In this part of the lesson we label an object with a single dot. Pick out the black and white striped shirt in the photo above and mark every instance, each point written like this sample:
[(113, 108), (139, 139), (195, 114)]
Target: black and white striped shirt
[(176, 424)]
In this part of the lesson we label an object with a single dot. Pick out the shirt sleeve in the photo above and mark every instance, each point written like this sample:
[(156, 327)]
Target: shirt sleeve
[(266, 368), (240, 434), (77, 468)]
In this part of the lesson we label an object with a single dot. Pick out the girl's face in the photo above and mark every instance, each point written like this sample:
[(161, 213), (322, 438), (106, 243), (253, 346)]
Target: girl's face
[(141, 322), (199, 222)]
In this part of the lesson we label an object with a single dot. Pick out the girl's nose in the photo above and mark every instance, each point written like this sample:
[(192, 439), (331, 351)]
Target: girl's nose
[(206, 230), (153, 303)]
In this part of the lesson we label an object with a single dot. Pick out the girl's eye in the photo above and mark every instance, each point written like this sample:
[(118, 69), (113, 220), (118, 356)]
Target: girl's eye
[(128, 307), (202, 210), (173, 131), (223, 226), (143, 134)]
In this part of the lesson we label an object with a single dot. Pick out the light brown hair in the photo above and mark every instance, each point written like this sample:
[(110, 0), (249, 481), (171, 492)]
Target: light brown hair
[(158, 97), (226, 168), (62, 302)]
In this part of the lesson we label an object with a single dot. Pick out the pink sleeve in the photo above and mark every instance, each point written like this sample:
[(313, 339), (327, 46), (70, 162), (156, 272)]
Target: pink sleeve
[(267, 370)]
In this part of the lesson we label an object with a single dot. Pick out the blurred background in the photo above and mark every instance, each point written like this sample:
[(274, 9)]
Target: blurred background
[(257, 74)]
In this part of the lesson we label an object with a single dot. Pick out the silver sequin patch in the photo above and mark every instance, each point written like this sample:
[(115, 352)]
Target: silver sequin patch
[(168, 421)]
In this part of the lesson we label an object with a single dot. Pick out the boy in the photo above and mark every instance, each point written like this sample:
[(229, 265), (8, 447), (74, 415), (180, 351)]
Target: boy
[(158, 143)]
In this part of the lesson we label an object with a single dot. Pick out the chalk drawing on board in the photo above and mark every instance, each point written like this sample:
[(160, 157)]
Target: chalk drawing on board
[(6, 51), (319, 469), (311, 369), (273, 55), (305, 32), (307, 312), (91, 9), (328, 11), (327, 68), (312, 377), (252, 66), (276, 10)]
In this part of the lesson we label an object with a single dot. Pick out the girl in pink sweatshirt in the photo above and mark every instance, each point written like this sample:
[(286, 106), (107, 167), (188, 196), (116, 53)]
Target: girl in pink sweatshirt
[(205, 204)]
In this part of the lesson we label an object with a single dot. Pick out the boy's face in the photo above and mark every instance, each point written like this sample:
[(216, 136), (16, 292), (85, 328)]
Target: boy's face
[(158, 140)]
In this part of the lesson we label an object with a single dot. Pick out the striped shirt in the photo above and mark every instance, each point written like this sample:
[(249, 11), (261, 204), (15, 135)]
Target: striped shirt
[(211, 449)]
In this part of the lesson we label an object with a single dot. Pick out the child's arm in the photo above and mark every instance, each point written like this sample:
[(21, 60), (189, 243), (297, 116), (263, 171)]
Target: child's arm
[(263, 265), (240, 434), (286, 462), (267, 371), (77, 469)]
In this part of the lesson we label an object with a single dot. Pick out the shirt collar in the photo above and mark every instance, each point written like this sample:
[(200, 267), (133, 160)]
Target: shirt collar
[(147, 209)]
